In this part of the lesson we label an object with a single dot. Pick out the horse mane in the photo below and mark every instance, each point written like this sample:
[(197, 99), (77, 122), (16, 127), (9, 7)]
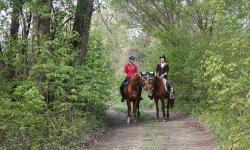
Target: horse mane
[(133, 81), (158, 80), (136, 78)]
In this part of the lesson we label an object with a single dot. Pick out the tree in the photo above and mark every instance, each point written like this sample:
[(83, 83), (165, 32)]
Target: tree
[(42, 18), (82, 23), (17, 9)]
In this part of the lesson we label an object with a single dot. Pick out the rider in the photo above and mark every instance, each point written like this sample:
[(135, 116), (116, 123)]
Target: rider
[(130, 71), (162, 70)]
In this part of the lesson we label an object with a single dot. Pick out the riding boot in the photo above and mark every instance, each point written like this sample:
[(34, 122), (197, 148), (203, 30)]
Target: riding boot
[(122, 88), (171, 96), (122, 92), (171, 89), (140, 90)]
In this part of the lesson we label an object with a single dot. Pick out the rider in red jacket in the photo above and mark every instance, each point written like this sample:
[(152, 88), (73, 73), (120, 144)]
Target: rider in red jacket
[(130, 71)]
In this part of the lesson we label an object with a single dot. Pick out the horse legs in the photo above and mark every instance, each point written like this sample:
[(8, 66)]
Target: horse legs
[(167, 108), (157, 109), (163, 109), (135, 105), (129, 110), (138, 110)]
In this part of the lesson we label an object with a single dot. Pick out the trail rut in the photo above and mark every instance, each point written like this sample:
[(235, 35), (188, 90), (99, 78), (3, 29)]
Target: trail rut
[(180, 132)]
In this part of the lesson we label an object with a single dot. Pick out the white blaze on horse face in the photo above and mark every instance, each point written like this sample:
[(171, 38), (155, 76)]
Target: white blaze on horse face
[(145, 87), (148, 85)]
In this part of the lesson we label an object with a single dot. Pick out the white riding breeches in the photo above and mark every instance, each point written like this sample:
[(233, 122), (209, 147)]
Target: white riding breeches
[(165, 83)]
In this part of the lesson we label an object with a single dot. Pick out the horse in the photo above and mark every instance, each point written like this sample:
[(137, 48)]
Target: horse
[(160, 93), (131, 94)]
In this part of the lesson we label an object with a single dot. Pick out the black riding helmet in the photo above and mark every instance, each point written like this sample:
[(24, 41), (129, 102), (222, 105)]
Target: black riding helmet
[(163, 56), (132, 58)]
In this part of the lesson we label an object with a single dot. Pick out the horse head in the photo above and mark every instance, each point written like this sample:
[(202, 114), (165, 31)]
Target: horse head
[(144, 75), (153, 80), (149, 81), (137, 80), (146, 80), (141, 79)]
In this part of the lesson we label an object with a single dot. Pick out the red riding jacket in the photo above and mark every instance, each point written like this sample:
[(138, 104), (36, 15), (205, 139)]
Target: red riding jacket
[(131, 70)]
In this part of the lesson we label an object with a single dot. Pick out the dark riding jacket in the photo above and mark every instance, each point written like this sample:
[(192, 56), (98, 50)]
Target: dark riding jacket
[(161, 70)]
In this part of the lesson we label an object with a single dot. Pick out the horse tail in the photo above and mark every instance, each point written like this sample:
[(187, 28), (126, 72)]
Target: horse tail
[(171, 103)]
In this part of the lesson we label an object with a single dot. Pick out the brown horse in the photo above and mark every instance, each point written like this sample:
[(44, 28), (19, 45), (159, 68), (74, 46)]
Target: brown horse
[(159, 93), (131, 94)]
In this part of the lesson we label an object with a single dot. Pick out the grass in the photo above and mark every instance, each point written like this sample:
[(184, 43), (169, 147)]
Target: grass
[(154, 147)]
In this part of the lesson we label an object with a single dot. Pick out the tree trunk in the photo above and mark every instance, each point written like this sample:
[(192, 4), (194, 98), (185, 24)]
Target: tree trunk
[(17, 6), (2, 64), (42, 20), (26, 25), (42, 27), (82, 23), (17, 9)]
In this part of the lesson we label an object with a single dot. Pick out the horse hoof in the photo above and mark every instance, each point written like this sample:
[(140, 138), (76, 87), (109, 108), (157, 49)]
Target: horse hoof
[(128, 120)]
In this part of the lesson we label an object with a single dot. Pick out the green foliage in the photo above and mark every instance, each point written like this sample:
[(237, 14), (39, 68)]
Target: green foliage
[(3, 5), (50, 101), (207, 47), (21, 121), (211, 77), (229, 86)]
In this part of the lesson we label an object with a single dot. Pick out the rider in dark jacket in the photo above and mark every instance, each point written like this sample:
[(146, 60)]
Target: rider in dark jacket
[(162, 70)]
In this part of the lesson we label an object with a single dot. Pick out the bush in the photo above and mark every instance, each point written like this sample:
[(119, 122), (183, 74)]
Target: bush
[(55, 100)]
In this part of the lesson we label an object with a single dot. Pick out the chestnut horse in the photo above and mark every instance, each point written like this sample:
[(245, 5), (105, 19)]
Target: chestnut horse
[(160, 93), (131, 94)]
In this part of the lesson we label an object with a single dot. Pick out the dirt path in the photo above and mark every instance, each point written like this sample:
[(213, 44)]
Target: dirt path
[(178, 133)]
